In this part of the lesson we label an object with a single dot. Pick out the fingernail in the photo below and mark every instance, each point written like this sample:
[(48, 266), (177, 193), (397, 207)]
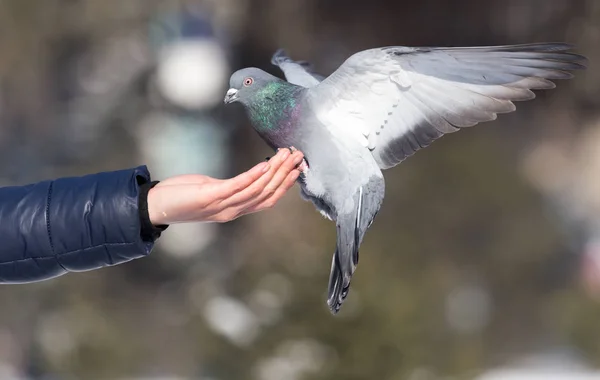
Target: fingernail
[(298, 159), (285, 154), (266, 167)]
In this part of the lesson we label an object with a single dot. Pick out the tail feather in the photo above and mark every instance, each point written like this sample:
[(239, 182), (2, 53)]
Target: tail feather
[(343, 266), (335, 290), (351, 229)]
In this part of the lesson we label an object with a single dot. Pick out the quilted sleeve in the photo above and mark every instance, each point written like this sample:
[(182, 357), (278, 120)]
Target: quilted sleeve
[(70, 225)]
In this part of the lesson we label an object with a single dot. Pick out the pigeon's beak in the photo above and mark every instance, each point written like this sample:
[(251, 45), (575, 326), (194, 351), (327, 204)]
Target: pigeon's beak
[(231, 96)]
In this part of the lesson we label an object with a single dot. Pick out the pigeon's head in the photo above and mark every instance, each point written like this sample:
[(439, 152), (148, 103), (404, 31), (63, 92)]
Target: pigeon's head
[(245, 83)]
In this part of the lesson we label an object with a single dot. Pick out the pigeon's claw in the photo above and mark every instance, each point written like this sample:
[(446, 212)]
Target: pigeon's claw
[(290, 148), (302, 166)]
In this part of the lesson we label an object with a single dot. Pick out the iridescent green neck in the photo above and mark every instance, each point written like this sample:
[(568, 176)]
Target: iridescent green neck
[(273, 106)]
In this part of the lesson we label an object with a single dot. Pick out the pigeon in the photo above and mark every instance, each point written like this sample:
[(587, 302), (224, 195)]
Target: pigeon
[(378, 108)]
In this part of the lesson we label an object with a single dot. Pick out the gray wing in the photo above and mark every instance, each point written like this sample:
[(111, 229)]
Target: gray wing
[(397, 100), (299, 73)]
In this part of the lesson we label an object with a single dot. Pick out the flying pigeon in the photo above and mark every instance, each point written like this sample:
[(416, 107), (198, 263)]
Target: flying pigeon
[(377, 109)]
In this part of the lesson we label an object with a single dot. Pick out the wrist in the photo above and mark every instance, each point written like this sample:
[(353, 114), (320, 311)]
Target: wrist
[(156, 217), (152, 223)]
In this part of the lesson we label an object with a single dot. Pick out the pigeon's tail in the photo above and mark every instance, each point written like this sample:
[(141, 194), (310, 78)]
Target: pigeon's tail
[(351, 229), (337, 292)]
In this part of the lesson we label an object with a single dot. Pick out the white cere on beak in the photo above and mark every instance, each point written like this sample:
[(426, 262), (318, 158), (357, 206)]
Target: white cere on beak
[(231, 95)]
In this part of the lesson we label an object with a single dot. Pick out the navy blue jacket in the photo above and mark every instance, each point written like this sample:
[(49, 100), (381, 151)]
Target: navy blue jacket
[(71, 224)]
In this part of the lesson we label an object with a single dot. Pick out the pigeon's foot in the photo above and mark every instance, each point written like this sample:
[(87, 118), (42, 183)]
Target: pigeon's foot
[(303, 166), (290, 148)]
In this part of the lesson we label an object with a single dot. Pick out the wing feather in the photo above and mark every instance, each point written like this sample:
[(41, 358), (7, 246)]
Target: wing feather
[(397, 100), (299, 73)]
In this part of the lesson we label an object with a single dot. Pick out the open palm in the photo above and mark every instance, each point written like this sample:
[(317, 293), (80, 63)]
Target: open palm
[(196, 197)]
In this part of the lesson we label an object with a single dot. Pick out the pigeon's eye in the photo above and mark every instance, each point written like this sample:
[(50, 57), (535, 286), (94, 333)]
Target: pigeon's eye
[(248, 81)]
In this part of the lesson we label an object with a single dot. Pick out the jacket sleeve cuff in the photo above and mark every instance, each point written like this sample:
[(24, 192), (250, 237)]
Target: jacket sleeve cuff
[(101, 211), (149, 232)]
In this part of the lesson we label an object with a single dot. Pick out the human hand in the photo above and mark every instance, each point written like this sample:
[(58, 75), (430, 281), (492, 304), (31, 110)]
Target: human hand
[(199, 198)]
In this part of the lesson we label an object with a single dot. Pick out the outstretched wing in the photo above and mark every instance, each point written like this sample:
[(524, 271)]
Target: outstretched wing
[(296, 72), (397, 100)]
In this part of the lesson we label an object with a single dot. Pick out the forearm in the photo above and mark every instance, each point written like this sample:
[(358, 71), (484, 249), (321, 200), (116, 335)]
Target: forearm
[(71, 224), (83, 223)]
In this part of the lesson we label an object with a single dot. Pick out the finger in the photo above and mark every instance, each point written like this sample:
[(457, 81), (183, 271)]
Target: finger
[(271, 201), (228, 188), (257, 187), (280, 175), (287, 184)]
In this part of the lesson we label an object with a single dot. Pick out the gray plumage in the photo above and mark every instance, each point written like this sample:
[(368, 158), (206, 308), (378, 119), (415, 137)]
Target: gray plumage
[(300, 73), (378, 108)]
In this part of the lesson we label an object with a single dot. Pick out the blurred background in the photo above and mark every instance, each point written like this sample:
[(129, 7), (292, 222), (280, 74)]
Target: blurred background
[(483, 264)]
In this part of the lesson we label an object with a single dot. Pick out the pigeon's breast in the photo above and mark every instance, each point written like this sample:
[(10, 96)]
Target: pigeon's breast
[(280, 125), (336, 168)]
